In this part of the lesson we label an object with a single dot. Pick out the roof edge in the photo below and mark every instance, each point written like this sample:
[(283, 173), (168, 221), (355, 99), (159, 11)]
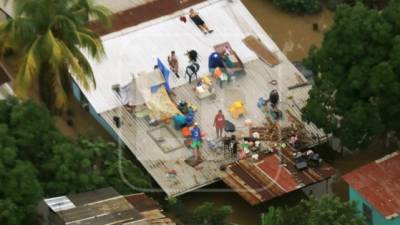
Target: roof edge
[(142, 13), (394, 215), (386, 157)]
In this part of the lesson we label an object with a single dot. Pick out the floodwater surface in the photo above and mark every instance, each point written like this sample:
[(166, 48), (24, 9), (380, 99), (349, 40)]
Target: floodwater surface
[(292, 33)]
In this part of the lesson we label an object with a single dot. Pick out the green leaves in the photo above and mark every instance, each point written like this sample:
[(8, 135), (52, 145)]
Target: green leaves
[(326, 210), (48, 36), (272, 217), (358, 81), (205, 214), (299, 6), (20, 190), (35, 159)]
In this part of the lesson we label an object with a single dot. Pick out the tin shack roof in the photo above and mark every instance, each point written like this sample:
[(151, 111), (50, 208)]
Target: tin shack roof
[(264, 179), (107, 206), (379, 184), (103, 206)]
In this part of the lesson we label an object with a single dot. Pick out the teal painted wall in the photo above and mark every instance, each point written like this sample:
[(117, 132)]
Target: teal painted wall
[(377, 218), (76, 91)]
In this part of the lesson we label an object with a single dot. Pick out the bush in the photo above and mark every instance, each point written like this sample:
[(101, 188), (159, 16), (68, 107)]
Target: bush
[(299, 6)]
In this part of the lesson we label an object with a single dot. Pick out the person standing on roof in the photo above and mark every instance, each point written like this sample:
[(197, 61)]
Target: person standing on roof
[(173, 63), (196, 140), (219, 123), (194, 16), (274, 98)]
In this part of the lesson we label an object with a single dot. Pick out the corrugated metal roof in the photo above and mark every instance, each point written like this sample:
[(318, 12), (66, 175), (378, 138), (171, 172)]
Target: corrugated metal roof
[(100, 207), (135, 49), (58, 204), (264, 179), (379, 184)]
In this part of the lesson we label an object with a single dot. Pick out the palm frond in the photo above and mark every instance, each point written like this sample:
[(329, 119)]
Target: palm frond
[(22, 7), (28, 70), (65, 28), (76, 69), (102, 14), (85, 65), (57, 85), (92, 43)]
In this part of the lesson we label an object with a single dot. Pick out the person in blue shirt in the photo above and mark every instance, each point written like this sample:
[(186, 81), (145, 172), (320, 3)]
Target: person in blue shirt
[(196, 140)]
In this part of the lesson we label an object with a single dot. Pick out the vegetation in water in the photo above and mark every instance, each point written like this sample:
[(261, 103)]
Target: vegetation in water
[(357, 84), (204, 214), (299, 6), (36, 161), (326, 210)]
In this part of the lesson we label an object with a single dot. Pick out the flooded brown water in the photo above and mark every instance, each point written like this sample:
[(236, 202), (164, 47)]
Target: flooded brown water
[(292, 33)]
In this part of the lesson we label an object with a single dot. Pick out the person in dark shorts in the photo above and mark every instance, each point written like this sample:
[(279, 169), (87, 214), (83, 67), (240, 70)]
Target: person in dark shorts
[(194, 16)]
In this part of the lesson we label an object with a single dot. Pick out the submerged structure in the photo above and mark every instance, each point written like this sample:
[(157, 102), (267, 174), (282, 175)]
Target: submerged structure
[(136, 101), (375, 188), (102, 207)]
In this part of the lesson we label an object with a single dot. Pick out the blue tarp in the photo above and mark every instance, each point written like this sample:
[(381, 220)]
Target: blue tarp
[(214, 61), (165, 72)]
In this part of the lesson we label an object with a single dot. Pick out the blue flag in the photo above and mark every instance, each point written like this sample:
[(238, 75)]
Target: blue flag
[(165, 72)]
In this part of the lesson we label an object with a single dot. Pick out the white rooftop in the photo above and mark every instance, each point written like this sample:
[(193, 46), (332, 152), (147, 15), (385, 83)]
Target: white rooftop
[(114, 5), (135, 49)]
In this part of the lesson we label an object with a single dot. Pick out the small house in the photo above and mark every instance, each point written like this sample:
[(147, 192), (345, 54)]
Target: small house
[(375, 188), (102, 207)]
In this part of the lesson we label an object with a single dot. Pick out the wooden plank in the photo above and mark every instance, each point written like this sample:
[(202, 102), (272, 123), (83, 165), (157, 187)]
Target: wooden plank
[(298, 85), (261, 50)]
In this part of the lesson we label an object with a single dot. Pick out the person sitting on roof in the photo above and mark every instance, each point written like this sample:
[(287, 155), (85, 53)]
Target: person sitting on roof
[(191, 70), (194, 16), (192, 55), (274, 98)]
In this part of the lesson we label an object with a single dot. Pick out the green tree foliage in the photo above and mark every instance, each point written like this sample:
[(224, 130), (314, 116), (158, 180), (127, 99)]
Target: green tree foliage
[(299, 6), (326, 210), (47, 37), (357, 87), (35, 158), (20, 190), (376, 4), (272, 217), (205, 214), (83, 165)]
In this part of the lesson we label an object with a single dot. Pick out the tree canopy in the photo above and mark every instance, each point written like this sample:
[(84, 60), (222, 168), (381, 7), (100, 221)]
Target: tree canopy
[(20, 189), (47, 37), (205, 214), (36, 160), (326, 210), (299, 6), (357, 84)]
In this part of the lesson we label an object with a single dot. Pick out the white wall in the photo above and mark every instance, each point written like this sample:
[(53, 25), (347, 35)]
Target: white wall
[(319, 189)]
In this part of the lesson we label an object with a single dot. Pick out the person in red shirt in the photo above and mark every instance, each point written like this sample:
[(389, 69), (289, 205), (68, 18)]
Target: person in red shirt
[(219, 123)]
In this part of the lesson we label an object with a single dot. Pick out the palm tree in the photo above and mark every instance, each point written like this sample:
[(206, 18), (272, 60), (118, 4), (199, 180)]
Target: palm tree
[(48, 38)]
